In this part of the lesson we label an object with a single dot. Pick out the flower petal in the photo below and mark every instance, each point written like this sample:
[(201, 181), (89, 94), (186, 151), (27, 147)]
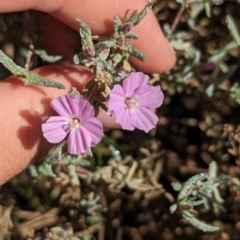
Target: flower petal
[(116, 96), (149, 96), (73, 106), (123, 117), (79, 141), (133, 81), (54, 129), (76, 103), (144, 119), (62, 105), (87, 110), (95, 129)]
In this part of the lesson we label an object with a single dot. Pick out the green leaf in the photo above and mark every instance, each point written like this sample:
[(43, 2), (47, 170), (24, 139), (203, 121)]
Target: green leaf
[(77, 58), (176, 186), (33, 171), (235, 92), (196, 203), (32, 79), (94, 219), (173, 208), (142, 14), (183, 194), (105, 45), (232, 26), (126, 18), (198, 224), (29, 78), (211, 90), (134, 52), (86, 35), (46, 169), (117, 23), (47, 58), (131, 36), (75, 92), (104, 65), (208, 9)]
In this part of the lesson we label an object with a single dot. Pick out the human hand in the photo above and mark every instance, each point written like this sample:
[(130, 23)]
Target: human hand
[(24, 108)]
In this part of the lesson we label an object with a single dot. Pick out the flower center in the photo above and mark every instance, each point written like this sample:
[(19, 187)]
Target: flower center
[(74, 123), (131, 103)]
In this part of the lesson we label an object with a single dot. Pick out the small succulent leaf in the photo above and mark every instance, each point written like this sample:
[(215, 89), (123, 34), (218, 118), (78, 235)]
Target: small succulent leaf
[(198, 224), (142, 14), (183, 193), (134, 52), (104, 65), (126, 18), (196, 203), (46, 57), (74, 92), (117, 23), (33, 171), (131, 36), (212, 170), (176, 186), (232, 26), (137, 17), (86, 35), (29, 78), (32, 79), (173, 208), (46, 169), (105, 45), (235, 92), (79, 58), (208, 10)]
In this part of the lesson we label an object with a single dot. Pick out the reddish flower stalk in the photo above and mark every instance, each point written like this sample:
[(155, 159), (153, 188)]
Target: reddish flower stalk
[(177, 19), (93, 93)]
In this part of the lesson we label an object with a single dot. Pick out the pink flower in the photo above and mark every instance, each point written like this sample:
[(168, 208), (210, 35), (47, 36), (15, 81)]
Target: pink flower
[(76, 118), (131, 102)]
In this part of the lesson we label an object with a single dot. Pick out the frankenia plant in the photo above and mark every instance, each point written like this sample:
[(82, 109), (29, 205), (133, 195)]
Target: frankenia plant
[(132, 101), (186, 202), (127, 93)]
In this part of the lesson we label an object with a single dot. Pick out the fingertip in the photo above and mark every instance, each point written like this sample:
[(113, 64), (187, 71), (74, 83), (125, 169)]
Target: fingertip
[(151, 41)]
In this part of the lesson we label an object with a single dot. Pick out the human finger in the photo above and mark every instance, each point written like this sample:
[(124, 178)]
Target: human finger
[(99, 14), (25, 108)]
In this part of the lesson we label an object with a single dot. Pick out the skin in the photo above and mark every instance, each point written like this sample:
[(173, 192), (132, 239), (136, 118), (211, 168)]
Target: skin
[(24, 108)]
